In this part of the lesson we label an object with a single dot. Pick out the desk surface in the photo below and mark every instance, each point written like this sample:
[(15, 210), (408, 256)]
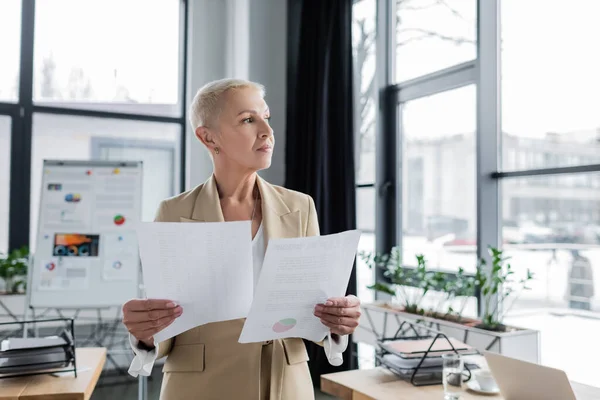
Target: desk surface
[(381, 384), (90, 362)]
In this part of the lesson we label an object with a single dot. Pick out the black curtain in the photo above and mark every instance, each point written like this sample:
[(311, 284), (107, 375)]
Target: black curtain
[(319, 133)]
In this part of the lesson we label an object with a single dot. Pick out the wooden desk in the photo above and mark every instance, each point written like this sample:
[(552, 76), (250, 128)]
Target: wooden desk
[(381, 384), (64, 387)]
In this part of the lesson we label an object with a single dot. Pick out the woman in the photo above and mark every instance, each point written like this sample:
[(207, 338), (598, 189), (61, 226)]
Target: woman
[(231, 118)]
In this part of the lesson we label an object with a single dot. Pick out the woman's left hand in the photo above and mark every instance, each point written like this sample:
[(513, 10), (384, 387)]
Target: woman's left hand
[(340, 314)]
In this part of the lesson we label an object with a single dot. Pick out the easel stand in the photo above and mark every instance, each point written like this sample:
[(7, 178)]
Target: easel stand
[(9, 312), (100, 203), (103, 333)]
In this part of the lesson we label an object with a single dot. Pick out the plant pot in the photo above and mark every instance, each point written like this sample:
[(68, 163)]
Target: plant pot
[(383, 320)]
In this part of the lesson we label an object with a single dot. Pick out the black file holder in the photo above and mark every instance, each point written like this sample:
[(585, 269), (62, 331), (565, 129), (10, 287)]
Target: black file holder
[(420, 375), (64, 359)]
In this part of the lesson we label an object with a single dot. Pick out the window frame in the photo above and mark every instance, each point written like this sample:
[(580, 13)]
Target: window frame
[(485, 73), (23, 110), (6, 112)]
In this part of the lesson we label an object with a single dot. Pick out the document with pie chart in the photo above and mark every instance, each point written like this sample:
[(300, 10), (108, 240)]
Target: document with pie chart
[(296, 275)]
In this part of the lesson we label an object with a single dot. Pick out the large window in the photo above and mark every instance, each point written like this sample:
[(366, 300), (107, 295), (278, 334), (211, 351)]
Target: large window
[(5, 129), (363, 40), (438, 192), (93, 88), (498, 144), (10, 34), (364, 45), (365, 213), (551, 222), (554, 230), (432, 35), (118, 68), (550, 84)]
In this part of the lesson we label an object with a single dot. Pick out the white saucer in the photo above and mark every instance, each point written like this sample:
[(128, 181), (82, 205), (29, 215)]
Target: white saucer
[(474, 386)]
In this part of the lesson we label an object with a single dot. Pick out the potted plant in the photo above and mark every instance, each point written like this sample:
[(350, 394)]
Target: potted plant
[(411, 287), (414, 291), (454, 291), (13, 270), (499, 284)]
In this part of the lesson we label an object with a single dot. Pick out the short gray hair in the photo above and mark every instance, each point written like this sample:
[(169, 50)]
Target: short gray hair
[(206, 103)]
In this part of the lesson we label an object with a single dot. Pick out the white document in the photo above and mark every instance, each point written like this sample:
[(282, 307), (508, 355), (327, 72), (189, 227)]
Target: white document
[(297, 274), (204, 267)]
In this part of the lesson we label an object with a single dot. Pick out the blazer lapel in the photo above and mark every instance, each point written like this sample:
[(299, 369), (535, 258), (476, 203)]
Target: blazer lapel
[(279, 221), (207, 207)]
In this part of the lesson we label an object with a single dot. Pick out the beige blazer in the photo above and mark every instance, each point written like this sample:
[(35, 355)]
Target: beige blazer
[(207, 362)]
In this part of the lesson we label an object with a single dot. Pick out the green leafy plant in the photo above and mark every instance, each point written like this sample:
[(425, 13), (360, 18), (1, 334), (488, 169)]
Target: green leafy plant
[(454, 289), (499, 283), (410, 286), (13, 270)]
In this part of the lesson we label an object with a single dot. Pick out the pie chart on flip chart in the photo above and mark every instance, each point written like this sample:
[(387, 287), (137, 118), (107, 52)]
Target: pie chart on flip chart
[(284, 325)]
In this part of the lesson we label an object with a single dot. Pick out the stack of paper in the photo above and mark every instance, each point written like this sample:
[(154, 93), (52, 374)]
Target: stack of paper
[(207, 268), (20, 355)]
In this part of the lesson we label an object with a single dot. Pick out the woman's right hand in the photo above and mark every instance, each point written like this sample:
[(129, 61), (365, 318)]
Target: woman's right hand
[(143, 318)]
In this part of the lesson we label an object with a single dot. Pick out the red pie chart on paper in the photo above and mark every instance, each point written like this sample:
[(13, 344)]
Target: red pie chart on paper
[(119, 219), (284, 325)]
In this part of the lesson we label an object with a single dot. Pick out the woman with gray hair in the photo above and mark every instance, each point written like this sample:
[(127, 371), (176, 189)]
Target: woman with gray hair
[(231, 118)]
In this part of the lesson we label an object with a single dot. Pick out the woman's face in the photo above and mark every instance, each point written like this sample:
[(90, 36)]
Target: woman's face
[(245, 137)]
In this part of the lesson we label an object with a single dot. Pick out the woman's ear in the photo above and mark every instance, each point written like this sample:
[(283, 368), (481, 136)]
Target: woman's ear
[(206, 137)]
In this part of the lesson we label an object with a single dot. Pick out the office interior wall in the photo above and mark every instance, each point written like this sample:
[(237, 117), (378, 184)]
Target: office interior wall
[(245, 39)]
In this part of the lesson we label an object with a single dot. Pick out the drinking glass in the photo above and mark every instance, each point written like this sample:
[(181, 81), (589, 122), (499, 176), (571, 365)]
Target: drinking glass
[(452, 376)]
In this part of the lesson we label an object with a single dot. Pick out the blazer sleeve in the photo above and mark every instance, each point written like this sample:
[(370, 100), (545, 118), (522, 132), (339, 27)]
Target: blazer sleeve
[(164, 347)]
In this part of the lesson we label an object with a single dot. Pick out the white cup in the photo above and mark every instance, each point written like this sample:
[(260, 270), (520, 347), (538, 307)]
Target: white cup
[(485, 380)]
